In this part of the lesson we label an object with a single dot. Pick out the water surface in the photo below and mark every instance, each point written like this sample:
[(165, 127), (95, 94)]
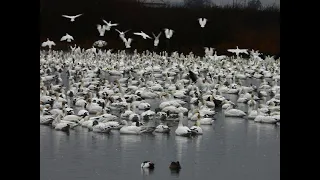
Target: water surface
[(230, 149)]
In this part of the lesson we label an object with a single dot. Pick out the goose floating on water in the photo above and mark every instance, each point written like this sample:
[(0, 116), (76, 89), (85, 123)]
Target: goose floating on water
[(196, 129), (182, 130), (161, 128), (142, 93), (147, 164), (230, 112)]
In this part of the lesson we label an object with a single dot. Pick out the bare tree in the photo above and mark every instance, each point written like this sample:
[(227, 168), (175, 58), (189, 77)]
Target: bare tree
[(196, 3), (255, 4)]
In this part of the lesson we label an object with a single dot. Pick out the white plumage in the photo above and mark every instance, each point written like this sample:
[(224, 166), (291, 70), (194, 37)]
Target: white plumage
[(202, 22), (72, 18), (67, 38), (48, 43)]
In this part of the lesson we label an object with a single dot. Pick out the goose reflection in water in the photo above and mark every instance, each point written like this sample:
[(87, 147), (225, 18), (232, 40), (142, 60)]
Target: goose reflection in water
[(175, 172), (162, 139), (182, 146), (234, 122), (208, 128), (175, 168), (198, 140), (146, 171), (100, 136), (59, 138), (128, 141), (265, 129)]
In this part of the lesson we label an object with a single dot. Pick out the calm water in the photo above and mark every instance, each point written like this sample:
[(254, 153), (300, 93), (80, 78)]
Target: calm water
[(230, 149)]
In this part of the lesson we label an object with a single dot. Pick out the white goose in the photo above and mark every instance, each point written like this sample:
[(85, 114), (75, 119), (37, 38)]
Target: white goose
[(168, 33), (128, 112), (59, 103), (182, 130), (93, 107), (72, 120), (60, 111), (85, 122), (237, 51), (61, 126), (142, 34), (147, 115), (83, 112), (227, 104), (161, 128), (132, 129), (202, 22), (101, 29), (204, 110), (107, 117), (262, 118), (252, 102), (144, 106), (67, 38), (48, 43), (88, 123), (127, 42), (149, 95), (196, 129), (203, 120), (122, 33), (109, 24), (114, 124), (252, 112), (100, 127), (46, 119), (211, 103), (72, 18), (242, 99), (156, 39), (100, 43), (230, 112)]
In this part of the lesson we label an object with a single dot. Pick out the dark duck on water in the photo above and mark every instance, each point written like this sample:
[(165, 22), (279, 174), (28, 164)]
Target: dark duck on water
[(175, 165)]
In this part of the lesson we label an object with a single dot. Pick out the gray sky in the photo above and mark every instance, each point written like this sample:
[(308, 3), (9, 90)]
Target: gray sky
[(224, 2)]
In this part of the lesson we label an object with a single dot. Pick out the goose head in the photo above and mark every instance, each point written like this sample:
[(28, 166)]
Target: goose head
[(123, 122), (95, 122), (46, 111), (89, 100)]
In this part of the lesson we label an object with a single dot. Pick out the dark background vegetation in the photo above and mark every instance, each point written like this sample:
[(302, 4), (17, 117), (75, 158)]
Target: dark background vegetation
[(249, 26)]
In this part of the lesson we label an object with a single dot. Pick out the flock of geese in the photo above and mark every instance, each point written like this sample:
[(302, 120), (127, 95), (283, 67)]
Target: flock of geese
[(107, 27), (106, 91)]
